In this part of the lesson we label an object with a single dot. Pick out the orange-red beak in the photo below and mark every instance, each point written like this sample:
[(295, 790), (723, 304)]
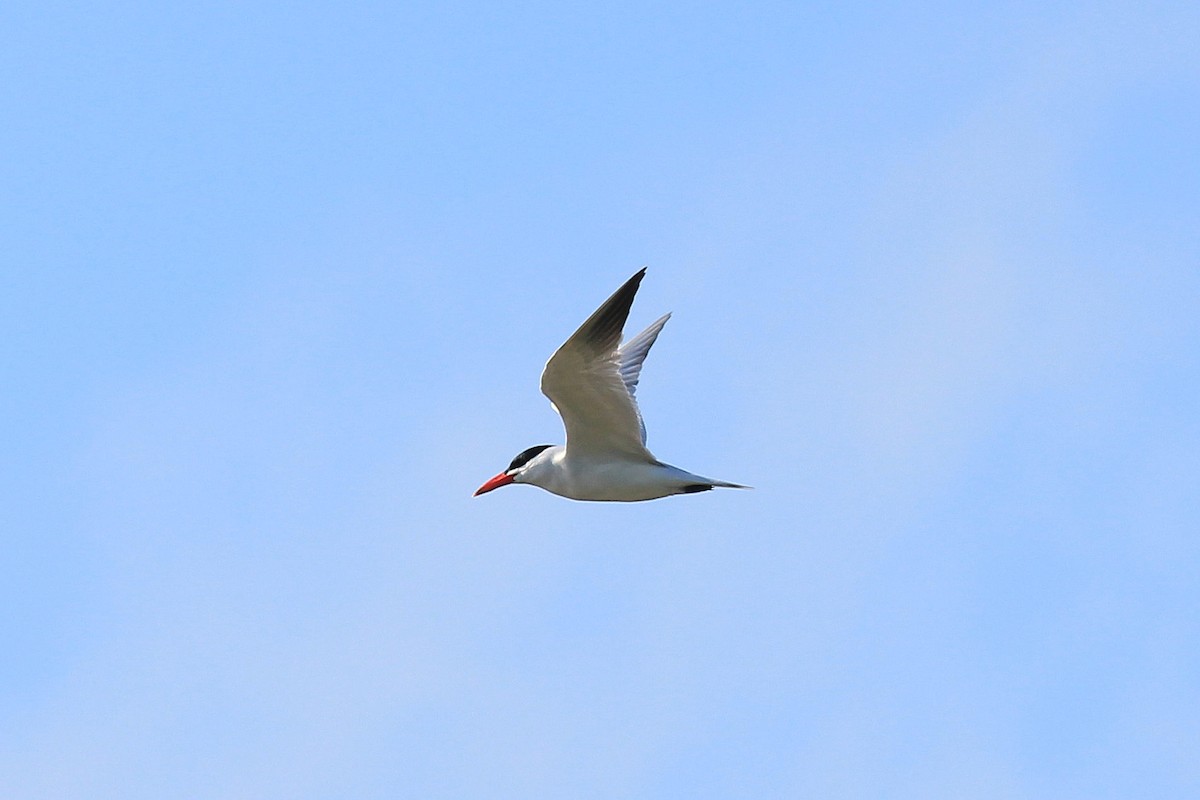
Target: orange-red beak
[(503, 479)]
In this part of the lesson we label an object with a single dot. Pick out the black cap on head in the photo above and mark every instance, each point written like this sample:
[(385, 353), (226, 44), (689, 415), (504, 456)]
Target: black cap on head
[(525, 456)]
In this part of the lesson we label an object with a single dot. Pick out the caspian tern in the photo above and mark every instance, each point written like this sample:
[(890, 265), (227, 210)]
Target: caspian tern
[(591, 381)]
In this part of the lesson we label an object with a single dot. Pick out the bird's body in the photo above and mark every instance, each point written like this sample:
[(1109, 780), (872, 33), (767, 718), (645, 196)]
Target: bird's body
[(620, 479), (591, 381)]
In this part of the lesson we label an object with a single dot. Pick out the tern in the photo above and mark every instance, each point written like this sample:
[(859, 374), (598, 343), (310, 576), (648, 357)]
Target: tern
[(591, 382)]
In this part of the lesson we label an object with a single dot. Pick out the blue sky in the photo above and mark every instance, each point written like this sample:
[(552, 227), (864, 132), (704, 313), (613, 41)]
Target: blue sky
[(279, 281)]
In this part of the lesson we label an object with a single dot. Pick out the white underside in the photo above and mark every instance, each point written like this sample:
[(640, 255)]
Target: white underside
[(613, 479)]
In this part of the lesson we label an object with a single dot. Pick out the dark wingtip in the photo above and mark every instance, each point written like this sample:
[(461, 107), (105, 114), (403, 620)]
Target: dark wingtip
[(603, 328)]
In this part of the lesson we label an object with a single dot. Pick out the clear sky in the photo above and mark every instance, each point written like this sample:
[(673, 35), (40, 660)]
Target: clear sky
[(278, 284)]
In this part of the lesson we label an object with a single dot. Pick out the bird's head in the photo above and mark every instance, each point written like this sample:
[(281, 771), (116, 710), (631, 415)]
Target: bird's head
[(516, 470)]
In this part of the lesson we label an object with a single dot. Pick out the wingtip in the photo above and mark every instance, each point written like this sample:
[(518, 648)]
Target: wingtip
[(635, 280), (603, 329)]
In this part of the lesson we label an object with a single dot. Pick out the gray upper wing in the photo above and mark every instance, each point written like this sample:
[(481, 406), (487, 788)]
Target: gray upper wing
[(590, 381)]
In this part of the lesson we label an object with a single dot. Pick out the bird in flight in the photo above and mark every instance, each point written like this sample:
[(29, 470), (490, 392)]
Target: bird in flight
[(591, 382)]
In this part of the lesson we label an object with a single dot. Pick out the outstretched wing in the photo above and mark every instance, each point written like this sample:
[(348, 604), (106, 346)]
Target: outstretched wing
[(590, 381), (631, 355)]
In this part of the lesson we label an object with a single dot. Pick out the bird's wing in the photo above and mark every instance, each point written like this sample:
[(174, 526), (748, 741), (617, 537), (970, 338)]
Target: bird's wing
[(631, 355), (590, 381)]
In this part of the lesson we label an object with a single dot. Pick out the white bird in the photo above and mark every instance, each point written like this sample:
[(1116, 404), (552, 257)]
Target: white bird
[(591, 381)]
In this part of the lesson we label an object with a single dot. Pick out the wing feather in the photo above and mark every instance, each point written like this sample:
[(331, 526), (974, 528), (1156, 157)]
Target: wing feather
[(590, 381), (633, 353)]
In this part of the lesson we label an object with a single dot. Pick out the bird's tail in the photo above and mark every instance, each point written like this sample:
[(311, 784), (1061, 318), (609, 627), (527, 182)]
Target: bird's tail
[(711, 484)]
